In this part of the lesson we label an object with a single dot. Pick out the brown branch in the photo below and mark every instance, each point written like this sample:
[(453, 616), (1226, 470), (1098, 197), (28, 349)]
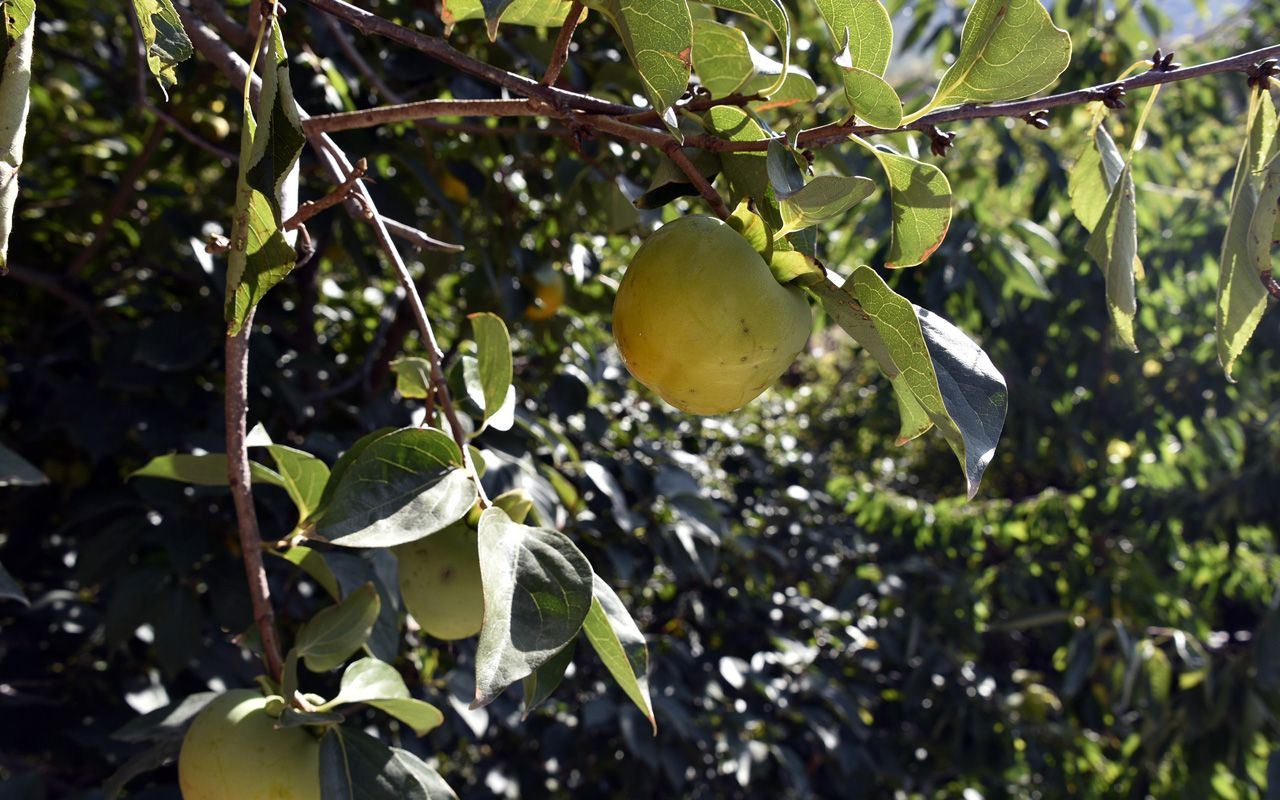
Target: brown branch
[(231, 31), (443, 52), (423, 109), (329, 152), (234, 67), (237, 411), (700, 183), (837, 132), (560, 50)]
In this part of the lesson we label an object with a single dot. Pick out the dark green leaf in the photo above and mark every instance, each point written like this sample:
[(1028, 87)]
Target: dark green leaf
[(537, 592), (398, 488), (164, 38), (335, 633), (356, 766), (539, 684), (413, 377)]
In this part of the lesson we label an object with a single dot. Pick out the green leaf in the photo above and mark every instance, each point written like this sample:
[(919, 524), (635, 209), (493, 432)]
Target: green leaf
[(15, 101), (208, 469), (862, 28), (921, 197), (356, 766), (335, 633), (1009, 49), (413, 377), (539, 684), (939, 375), (493, 357), (164, 38), (1114, 245), (10, 589), (17, 471), (1246, 248), (419, 715), (1092, 177), (345, 461), (658, 35), (368, 679), (620, 645), (748, 171), (798, 87), (822, 198), (398, 488), (537, 592), (871, 97), (772, 13), (534, 13), (260, 255), (303, 476), (725, 61)]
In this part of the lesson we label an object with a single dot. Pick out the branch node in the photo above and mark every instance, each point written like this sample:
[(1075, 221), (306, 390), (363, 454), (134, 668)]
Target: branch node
[(940, 141), (1112, 96), (1038, 119), (1261, 73), (1269, 283)]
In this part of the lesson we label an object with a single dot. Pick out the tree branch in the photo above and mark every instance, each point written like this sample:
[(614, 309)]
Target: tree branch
[(700, 183), (237, 412), (423, 109), (560, 50)]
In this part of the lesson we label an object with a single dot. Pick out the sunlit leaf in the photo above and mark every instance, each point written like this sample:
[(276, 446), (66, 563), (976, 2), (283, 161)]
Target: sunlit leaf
[(1009, 49), (1251, 229), (533, 13), (658, 36), (1114, 245), (921, 197), (620, 645), (413, 377), (825, 197), (208, 469), (493, 358), (773, 14), (400, 487), (261, 256), (164, 38), (15, 83)]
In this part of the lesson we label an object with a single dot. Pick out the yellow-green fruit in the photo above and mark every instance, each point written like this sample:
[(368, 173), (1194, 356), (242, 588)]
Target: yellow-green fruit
[(700, 319), (440, 582), (234, 752)]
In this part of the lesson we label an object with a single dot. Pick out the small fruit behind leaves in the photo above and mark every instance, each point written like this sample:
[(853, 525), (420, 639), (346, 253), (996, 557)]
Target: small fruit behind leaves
[(440, 582), (700, 319), (548, 295), (233, 751)]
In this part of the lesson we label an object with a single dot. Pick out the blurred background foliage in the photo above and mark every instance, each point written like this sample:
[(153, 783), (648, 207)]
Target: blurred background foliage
[(826, 616)]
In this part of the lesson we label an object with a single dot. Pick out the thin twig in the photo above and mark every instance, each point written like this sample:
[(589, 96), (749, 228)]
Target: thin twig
[(700, 183), (237, 412), (560, 50), (445, 53), (233, 66), (312, 207), (423, 109), (330, 153)]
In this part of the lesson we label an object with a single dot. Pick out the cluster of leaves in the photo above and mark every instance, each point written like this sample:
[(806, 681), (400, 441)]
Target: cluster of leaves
[(817, 618)]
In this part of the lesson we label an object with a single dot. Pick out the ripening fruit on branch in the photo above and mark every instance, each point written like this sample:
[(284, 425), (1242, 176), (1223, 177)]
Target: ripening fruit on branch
[(440, 582), (701, 320), (233, 751)]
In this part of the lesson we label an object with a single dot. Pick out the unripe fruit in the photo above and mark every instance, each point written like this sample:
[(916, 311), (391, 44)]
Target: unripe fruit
[(440, 582), (701, 320), (232, 751)]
